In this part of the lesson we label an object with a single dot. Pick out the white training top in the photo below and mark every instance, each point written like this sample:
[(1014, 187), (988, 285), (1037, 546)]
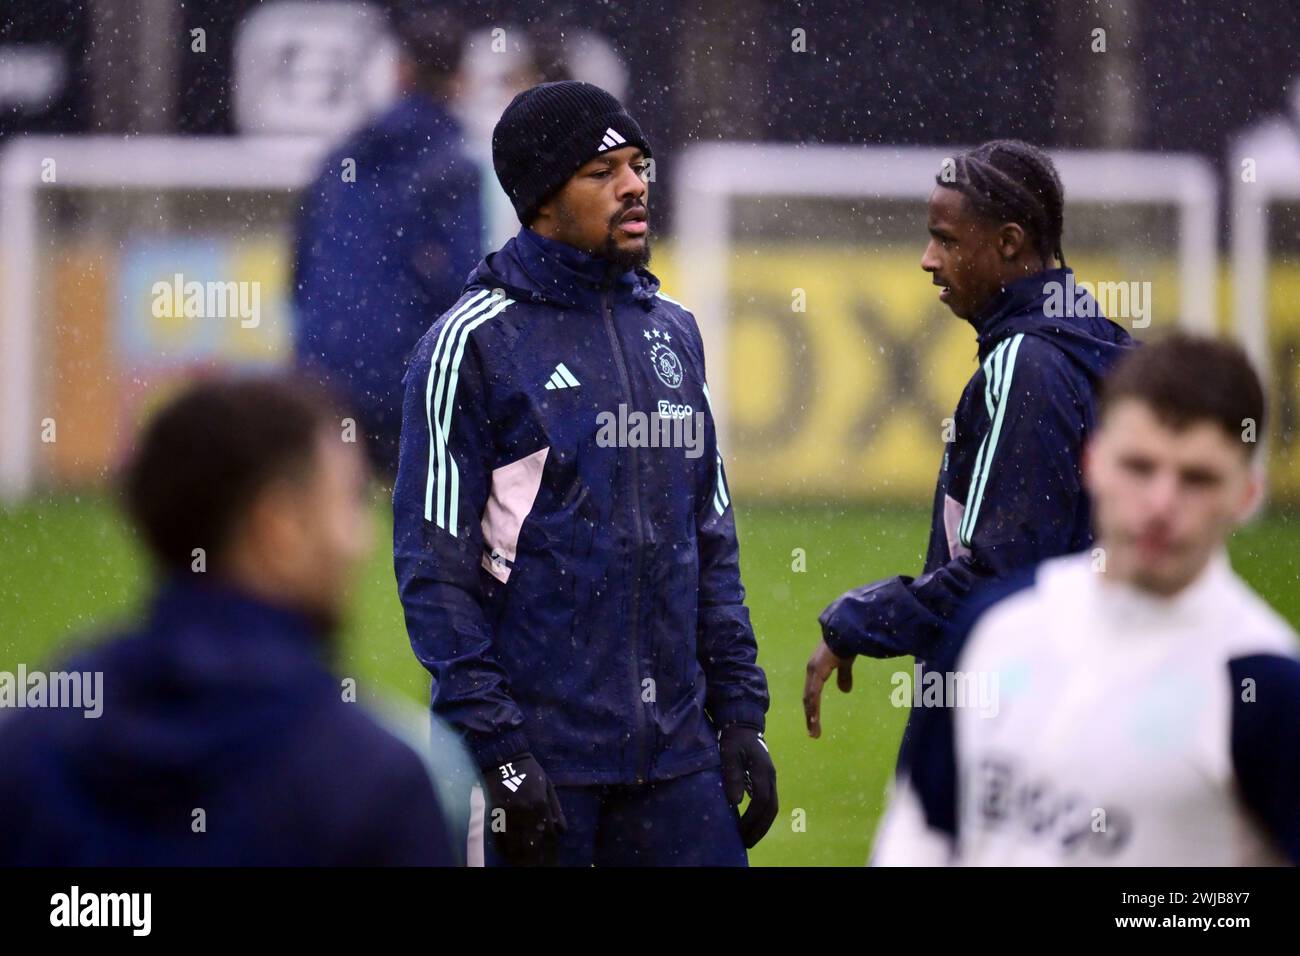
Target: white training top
[(1126, 729)]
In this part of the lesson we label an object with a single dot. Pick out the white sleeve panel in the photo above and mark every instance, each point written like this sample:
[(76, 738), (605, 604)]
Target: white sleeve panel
[(904, 838)]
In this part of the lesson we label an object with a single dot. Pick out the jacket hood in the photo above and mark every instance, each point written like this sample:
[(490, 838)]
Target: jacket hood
[(192, 698), (1050, 306), (533, 268)]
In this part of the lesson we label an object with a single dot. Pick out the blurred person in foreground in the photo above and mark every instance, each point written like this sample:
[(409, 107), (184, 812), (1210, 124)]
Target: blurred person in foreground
[(222, 736), (388, 232), (1147, 702), (1010, 490)]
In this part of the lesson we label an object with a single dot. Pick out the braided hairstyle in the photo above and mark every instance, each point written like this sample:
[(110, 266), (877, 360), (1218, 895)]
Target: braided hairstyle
[(1007, 180)]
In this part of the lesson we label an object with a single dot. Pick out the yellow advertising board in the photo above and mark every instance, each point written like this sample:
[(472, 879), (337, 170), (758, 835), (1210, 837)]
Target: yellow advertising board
[(843, 366)]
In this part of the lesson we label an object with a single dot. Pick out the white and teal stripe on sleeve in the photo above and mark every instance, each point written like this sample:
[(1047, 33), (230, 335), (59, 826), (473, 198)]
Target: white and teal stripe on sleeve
[(999, 369), (668, 298), (720, 497), (440, 402)]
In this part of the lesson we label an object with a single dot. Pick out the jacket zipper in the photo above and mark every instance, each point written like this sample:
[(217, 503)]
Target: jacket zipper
[(641, 771)]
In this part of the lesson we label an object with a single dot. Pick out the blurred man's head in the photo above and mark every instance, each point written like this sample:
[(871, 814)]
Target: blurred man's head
[(1171, 466), (256, 473), (431, 41), (995, 216), (576, 167)]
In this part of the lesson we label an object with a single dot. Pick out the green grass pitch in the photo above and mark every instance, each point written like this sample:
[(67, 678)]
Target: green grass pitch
[(69, 569)]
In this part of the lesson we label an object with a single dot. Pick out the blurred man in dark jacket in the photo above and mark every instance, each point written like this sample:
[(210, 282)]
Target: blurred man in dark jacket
[(220, 736), (388, 232)]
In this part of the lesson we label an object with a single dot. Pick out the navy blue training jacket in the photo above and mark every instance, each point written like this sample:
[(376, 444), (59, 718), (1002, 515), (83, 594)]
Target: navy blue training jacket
[(222, 703), (1010, 492), (570, 597), (375, 257)]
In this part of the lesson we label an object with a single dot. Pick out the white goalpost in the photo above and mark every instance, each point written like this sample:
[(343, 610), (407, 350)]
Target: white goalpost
[(30, 166), (710, 177), (1264, 169)]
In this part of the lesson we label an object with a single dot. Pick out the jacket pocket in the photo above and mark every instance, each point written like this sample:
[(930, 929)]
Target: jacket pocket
[(576, 494)]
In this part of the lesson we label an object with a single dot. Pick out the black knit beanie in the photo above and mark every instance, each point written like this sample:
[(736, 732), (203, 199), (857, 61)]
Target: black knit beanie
[(548, 132)]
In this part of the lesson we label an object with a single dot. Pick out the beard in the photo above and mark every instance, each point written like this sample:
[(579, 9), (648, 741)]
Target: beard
[(625, 260), (619, 260)]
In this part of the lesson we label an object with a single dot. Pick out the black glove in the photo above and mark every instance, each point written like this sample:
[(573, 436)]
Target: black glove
[(747, 768), (533, 820)]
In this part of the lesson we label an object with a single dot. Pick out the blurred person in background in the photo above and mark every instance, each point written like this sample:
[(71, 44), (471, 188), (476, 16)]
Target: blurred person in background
[(222, 736), (378, 252), (1148, 700), (496, 67)]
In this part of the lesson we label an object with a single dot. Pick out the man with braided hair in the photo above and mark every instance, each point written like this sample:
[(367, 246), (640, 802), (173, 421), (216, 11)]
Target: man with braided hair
[(1010, 491)]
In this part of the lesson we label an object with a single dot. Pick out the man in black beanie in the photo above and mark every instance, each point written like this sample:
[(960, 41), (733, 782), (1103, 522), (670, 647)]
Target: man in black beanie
[(571, 130), (564, 541)]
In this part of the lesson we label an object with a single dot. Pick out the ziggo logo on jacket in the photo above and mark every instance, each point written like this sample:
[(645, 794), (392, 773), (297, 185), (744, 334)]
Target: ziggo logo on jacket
[(675, 426)]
